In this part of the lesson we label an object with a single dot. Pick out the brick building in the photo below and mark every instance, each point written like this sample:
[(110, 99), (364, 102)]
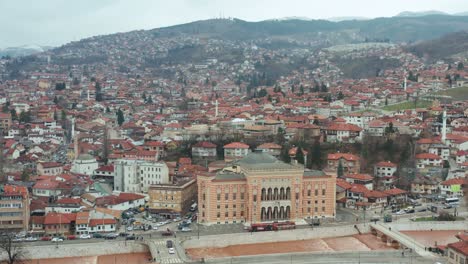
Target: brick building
[(14, 208), (351, 163), (172, 199), (260, 188)]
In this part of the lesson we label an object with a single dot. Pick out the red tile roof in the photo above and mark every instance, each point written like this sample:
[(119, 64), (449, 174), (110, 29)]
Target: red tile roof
[(394, 191), (344, 127), (104, 221), (346, 156), (386, 164), (455, 181), (204, 144), (427, 156), (343, 184), (236, 145), (461, 247), (58, 218), (357, 176), (269, 146)]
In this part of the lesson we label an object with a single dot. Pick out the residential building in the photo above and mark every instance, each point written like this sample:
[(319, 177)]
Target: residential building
[(204, 151), (169, 200), (452, 187), (5, 121), (235, 150), (260, 188), (424, 185), (49, 168), (14, 208), (457, 253), (363, 179), (122, 201), (349, 162), (384, 169), (440, 150), (424, 160), (137, 176), (270, 148), (339, 132)]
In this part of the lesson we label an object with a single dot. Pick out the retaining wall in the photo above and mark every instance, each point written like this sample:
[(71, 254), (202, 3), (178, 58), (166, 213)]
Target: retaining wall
[(273, 236), (435, 225)]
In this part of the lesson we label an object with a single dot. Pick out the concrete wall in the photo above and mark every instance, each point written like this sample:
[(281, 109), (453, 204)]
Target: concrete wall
[(424, 226), (81, 250), (273, 236)]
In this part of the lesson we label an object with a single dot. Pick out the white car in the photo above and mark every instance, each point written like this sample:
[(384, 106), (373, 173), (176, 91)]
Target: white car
[(130, 228), (85, 236), (400, 212), (171, 251), (186, 229), (30, 239), (57, 239), (160, 224), (154, 227)]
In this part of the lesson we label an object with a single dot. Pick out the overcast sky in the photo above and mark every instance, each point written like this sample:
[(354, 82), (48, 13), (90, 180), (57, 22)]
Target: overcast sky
[(56, 22)]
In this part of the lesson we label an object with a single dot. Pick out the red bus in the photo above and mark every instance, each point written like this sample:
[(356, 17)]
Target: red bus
[(272, 226)]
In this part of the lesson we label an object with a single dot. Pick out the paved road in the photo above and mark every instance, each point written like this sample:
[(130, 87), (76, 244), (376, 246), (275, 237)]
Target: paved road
[(303, 258)]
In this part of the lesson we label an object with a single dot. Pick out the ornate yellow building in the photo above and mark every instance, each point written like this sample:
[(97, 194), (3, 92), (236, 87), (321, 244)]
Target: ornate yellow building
[(260, 188)]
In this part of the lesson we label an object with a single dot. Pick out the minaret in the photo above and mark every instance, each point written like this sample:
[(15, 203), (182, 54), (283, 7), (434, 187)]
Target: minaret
[(216, 108), (404, 84), (444, 126), (88, 94), (73, 127)]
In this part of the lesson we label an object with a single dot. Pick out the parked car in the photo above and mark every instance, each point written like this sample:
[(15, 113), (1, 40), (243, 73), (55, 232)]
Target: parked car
[(57, 239), (171, 251), (111, 236), (130, 228), (71, 237), (400, 212), (46, 238), (30, 239), (154, 227), (123, 234), (132, 237), (85, 236), (186, 229), (97, 235)]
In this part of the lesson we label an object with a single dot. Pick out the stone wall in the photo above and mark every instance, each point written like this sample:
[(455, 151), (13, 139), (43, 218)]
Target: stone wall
[(273, 236), (435, 225), (81, 249)]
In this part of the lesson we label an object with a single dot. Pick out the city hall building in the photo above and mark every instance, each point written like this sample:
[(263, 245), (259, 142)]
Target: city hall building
[(260, 188)]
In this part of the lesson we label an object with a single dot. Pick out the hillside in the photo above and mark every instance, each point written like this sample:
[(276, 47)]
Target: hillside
[(442, 47)]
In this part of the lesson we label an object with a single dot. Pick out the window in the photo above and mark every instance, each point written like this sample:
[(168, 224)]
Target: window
[(226, 196), (218, 196), (226, 214), (218, 206), (226, 206), (234, 196), (316, 192), (234, 206), (323, 209), (315, 209), (242, 196), (255, 198), (323, 191), (297, 196), (234, 214), (309, 192), (242, 213)]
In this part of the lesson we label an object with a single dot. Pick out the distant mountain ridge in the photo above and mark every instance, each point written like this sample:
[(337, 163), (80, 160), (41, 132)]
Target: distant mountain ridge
[(24, 50)]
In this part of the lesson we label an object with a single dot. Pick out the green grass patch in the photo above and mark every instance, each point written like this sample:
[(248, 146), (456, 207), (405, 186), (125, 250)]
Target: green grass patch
[(459, 93), (430, 219), (408, 105)]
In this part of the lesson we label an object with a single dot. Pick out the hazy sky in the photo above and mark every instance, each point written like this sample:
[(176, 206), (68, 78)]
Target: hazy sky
[(55, 22)]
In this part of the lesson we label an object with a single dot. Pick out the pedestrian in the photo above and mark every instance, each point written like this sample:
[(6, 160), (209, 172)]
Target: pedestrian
[(425, 248), (402, 253)]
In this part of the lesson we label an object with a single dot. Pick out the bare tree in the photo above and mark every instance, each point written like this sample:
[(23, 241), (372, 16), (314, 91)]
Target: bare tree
[(14, 250)]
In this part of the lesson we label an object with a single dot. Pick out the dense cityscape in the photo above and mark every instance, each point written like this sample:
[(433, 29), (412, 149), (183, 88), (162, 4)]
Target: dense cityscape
[(184, 145)]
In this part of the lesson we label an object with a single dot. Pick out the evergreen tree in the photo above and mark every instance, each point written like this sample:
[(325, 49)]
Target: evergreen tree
[(55, 115), (150, 100), (120, 117), (340, 169), (301, 90), (316, 154), (386, 101), (323, 88), (14, 116), (25, 176), (144, 97), (460, 66), (299, 155), (25, 117), (107, 109), (55, 100), (6, 107), (340, 95), (98, 95)]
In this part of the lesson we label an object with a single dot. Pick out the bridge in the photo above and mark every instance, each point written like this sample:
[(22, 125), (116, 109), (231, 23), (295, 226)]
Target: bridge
[(398, 240), (159, 251)]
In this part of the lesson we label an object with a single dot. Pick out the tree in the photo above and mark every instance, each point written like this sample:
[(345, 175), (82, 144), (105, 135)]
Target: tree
[(460, 66), (301, 90), (107, 109), (316, 155), (105, 146), (25, 176), (55, 115), (340, 169), (340, 96), (13, 250), (25, 117), (144, 97), (55, 100), (299, 155), (98, 95), (63, 115), (120, 117), (386, 101), (389, 129), (262, 93), (323, 88), (60, 86), (150, 100), (14, 116)]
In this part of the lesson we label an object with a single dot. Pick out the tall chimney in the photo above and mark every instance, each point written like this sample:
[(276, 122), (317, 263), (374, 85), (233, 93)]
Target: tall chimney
[(404, 84), (216, 108)]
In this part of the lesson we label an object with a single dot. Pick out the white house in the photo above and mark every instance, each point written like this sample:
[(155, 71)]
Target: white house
[(424, 160), (137, 176), (384, 168), (452, 187), (84, 164)]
